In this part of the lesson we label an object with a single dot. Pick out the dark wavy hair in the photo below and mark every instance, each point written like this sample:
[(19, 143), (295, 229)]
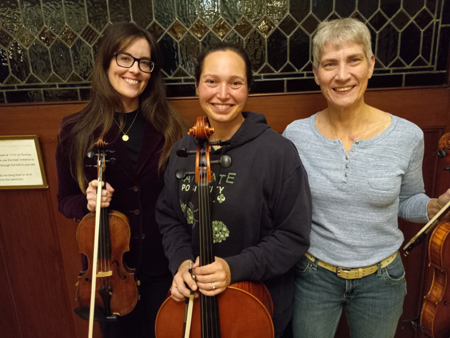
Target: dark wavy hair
[(105, 101), (222, 47)]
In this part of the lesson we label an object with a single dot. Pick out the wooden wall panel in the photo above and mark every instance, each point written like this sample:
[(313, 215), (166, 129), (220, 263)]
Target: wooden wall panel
[(32, 255), (9, 319), (38, 251)]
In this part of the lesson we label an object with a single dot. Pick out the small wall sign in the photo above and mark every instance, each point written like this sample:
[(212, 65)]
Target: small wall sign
[(21, 164)]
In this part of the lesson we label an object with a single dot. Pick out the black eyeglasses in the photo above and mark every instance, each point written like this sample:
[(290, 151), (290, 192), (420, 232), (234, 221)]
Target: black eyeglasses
[(125, 60)]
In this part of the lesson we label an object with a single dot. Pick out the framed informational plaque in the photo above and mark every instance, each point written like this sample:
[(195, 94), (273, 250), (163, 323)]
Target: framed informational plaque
[(21, 164)]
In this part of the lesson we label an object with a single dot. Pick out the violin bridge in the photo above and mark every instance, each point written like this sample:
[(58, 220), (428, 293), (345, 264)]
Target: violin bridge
[(101, 274)]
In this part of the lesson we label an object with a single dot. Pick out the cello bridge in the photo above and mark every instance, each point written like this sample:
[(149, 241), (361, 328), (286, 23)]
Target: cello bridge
[(101, 274)]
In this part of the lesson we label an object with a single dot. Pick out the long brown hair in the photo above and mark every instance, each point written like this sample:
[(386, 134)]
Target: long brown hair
[(105, 101)]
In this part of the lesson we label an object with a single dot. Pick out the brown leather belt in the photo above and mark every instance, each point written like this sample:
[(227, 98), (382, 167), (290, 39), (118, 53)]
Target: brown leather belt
[(353, 273)]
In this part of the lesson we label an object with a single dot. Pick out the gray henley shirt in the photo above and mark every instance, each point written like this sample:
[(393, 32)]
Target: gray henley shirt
[(357, 196)]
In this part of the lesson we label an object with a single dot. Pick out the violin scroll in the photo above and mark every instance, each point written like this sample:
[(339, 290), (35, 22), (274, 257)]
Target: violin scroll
[(444, 145)]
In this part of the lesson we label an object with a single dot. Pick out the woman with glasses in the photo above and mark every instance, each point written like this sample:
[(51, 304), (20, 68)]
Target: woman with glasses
[(128, 110)]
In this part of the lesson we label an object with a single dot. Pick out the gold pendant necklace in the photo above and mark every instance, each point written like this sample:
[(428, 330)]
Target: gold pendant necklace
[(125, 136)]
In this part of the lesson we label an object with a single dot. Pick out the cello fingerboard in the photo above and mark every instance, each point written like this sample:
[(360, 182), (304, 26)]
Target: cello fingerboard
[(210, 317), (210, 322)]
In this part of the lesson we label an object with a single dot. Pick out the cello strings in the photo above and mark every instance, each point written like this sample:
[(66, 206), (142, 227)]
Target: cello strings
[(210, 315)]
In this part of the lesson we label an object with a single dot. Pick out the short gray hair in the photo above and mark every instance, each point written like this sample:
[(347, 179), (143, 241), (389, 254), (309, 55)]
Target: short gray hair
[(338, 32)]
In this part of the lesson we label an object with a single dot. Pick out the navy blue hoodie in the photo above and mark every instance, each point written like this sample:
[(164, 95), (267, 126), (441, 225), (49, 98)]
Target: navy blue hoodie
[(260, 210)]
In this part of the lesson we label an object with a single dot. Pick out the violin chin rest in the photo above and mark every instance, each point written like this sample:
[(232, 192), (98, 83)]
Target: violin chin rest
[(99, 314)]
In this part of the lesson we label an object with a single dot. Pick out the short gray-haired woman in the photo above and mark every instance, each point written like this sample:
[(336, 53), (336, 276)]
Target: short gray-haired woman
[(364, 167)]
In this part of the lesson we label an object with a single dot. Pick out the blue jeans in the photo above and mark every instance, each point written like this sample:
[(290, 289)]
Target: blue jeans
[(373, 304)]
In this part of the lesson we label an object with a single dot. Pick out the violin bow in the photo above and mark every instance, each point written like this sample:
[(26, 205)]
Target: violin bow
[(418, 238), (95, 254)]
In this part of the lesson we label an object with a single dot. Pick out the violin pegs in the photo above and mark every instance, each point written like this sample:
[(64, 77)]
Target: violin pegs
[(441, 153), (90, 154)]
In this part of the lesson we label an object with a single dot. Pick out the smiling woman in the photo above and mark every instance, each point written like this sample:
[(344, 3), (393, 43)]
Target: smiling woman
[(129, 113), (129, 72), (343, 73), (261, 204), (222, 92), (365, 170)]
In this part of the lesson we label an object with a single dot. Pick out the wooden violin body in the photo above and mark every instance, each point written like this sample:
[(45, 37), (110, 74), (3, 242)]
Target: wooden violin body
[(113, 277), (435, 315)]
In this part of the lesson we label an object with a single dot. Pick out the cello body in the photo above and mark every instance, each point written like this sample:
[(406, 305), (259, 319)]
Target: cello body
[(435, 316), (245, 309)]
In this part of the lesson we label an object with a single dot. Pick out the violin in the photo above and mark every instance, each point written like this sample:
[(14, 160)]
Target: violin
[(107, 288), (435, 314), (444, 146), (244, 309)]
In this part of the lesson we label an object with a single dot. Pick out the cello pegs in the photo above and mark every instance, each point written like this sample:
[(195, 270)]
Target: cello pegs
[(183, 152), (182, 173), (224, 161), (221, 143)]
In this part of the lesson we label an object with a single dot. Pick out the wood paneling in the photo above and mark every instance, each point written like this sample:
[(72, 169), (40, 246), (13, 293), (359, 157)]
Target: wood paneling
[(38, 252)]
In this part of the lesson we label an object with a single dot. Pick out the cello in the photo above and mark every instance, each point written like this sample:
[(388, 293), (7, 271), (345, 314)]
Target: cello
[(435, 314), (244, 309), (103, 237)]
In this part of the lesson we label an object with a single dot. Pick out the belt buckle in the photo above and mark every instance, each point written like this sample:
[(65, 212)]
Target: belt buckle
[(349, 273), (341, 270)]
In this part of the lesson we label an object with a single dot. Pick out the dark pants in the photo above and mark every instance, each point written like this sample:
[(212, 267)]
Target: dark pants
[(140, 323)]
